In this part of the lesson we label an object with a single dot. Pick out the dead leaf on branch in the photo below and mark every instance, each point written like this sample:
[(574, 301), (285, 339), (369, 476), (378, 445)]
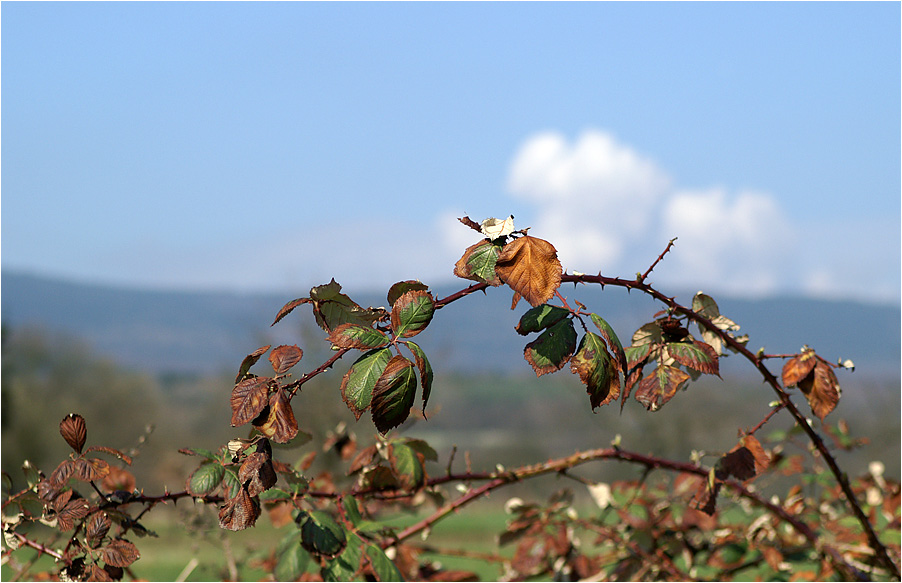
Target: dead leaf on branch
[(74, 431), (798, 368), (821, 388), (530, 267)]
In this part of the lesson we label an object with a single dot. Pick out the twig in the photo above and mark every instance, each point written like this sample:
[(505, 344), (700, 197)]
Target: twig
[(658, 260)]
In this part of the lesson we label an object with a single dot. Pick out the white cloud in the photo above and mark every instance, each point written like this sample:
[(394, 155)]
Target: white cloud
[(606, 206), (594, 198), (740, 243)]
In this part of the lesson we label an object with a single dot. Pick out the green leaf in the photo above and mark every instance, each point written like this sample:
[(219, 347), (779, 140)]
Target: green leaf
[(539, 318), (478, 263), (204, 453), (596, 369), (636, 354), (291, 559), (411, 313), (607, 332), (345, 566), (552, 349), (358, 383), (331, 308), (696, 355), (423, 448), (406, 465), (402, 287), (321, 535), (205, 479), (425, 370), (383, 567), (32, 475), (231, 482), (394, 394), (357, 336), (352, 510)]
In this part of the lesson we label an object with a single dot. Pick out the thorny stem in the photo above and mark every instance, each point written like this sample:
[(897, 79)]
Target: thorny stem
[(658, 260), (771, 380), (496, 480)]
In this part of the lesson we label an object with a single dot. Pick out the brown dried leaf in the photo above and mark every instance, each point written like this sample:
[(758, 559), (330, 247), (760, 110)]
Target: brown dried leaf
[(90, 469), (286, 309), (120, 553), (62, 473), (658, 388), (257, 473), (249, 361), (798, 368), (821, 388), (111, 451), (280, 513), (240, 512), (74, 431), (284, 357), (530, 266), (97, 528), (738, 462), (281, 425), (72, 511), (249, 397), (96, 573)]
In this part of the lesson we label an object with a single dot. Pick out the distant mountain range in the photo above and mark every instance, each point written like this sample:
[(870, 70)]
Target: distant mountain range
[(186, 332)]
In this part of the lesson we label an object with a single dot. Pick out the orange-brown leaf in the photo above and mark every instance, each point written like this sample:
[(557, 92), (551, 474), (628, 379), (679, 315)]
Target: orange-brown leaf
[(90, 469), (118, 479), (530, 266), (74, 431), (821, 388), (798, 367), (284, 357), (249, 397), (97, 527), (281, 425), (72, 511), (240, 512), (119, 553)]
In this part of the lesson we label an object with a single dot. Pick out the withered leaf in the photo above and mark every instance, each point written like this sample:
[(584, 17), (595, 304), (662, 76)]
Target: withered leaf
[(96, 573), (350, 335), (257, 473), (73, 510), (596, 370), (90, 469), (119, 553), (658, 388), (695, 355), (62, 473), (239, 512), (74, 431), (478, 263), (281, 425), (530, 266), (287, 308), (111, 451), (425, 369), (249, 397), (552, 349), (738, 462), (249, 361), (394, 394), (821, 388), (97, 528), (798, 367), (284, 357)]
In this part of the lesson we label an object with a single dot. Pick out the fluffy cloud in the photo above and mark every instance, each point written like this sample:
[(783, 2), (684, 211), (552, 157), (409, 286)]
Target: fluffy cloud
[(594, 198), (606, 206)]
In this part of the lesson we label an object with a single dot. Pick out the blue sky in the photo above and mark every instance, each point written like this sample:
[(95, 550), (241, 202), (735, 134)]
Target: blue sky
[(272, 146)]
